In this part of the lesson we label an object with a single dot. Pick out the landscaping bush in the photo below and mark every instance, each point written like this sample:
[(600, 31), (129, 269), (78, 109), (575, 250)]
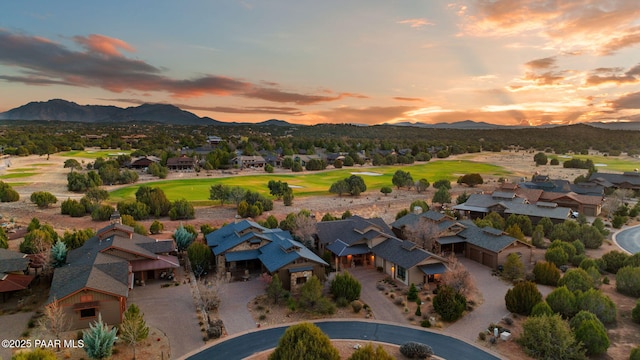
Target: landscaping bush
[(304, 341), (367, 352), (599, 304), (449, 304), (412, 295), (562, 301), (546, 273), (425, 323), (628, 281), (356, 305), (576, 279), (549, 337), (578, 259), (557, 256), (346, 286), (614, 260), (416, 350), (591, 332), (635, 353), (522, 297), (513, 268), (541, 309), (342, 302)]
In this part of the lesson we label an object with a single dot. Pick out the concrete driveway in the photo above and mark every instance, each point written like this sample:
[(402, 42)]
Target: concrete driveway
[(492, 309), (233, 309), (381, 307), (172, 310), (11, 328)]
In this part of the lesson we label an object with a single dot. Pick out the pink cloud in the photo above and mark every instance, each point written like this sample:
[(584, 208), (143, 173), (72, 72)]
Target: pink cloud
[(103, 44)]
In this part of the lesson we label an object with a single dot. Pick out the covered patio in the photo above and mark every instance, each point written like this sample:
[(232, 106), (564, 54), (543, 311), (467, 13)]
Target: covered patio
[(345, 256), (149, 269)]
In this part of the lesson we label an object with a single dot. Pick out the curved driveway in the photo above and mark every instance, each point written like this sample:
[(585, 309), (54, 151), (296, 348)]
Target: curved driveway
[(628, 239), (444, 346)]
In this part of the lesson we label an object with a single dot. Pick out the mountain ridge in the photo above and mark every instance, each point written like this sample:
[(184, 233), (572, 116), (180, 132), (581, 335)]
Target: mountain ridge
[(64, 110)]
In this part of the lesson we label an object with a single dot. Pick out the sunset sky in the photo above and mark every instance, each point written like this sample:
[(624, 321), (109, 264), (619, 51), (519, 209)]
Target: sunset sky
[(512, 62)]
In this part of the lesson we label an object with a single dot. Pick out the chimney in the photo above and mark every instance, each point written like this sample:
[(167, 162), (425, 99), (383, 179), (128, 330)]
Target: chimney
[(115, 218)]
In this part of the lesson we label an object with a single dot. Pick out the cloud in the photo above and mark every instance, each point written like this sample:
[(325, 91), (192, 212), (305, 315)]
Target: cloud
[(366, 115), (615, 76), (628, 101), (544, 63), (40, 61), (579, 26), (416, 23), (103, 44), (400, 98)]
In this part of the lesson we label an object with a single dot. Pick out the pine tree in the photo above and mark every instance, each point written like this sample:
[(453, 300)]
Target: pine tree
[(304, 341), (133, 328), (183, 238), (99, 340), (59, 254)]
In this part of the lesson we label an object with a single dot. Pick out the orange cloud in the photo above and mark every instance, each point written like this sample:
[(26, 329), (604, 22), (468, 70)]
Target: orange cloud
[(400, 98), (613, 76), (416, 23), (103, 44)]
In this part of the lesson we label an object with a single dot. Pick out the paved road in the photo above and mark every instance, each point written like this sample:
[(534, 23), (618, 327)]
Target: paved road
[(628, 239), (172, 310), (444, 346)]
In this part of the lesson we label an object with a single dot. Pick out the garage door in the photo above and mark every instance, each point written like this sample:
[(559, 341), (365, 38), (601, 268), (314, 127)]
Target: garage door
[(488, 259), (475, 255)]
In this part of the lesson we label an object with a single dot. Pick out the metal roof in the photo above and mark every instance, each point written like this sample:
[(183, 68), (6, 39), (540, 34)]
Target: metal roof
[(432, 269)]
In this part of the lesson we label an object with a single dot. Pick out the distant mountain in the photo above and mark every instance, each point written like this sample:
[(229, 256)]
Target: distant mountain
[(629, 125), (63, 110), (460, 125), (275, 122)]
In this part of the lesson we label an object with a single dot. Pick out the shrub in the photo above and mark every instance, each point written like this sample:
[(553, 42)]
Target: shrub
[(304, 341), (549, 337), (614, 260), (576, 279), (633, 260), (356, 305), (591, 332), (587, 263), (522, 297), (425, 323), (449, 304), (546, 273), (342, 302), (577, 260), (102, 213), (416, 350), (346, 286), (562, 301), (541, 309), (635, 353), (557, 256), (599, 304), (635, 313), (628, 281), (413, 293), (513, 268), (368, 353)]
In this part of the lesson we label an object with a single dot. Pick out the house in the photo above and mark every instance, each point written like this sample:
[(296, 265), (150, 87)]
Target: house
[(487, 246), (357, 241), (99, 275), (350, 240), (14, 272), (144, 162), (213, 140), (182, 163), (245, 161), (627, 180), (245, 246), (507, 203), (587, 199), (303, 159)]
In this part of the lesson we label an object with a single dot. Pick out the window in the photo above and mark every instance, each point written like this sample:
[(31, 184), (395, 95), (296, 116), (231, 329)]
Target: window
[(301, 280), (402, 273), (87, 313)]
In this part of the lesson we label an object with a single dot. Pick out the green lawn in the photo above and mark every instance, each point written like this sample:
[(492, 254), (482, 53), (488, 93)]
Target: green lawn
[(315, 183), (22, 169), (94, 154), (613, 163), (17, 175)]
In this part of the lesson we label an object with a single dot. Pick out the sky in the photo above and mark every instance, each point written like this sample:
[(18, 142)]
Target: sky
[(510, 62)]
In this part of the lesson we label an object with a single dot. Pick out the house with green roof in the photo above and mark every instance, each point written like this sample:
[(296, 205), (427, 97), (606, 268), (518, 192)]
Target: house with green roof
[(98, 276), (246, 247)]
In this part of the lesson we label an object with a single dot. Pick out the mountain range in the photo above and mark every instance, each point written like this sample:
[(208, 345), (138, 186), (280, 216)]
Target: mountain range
[(63, 110)]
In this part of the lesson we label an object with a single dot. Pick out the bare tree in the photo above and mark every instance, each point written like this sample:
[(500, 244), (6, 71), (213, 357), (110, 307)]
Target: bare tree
[(615, 200), (211, 291), (304, 228), (424, 233), (55, 320), (459, 278)]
